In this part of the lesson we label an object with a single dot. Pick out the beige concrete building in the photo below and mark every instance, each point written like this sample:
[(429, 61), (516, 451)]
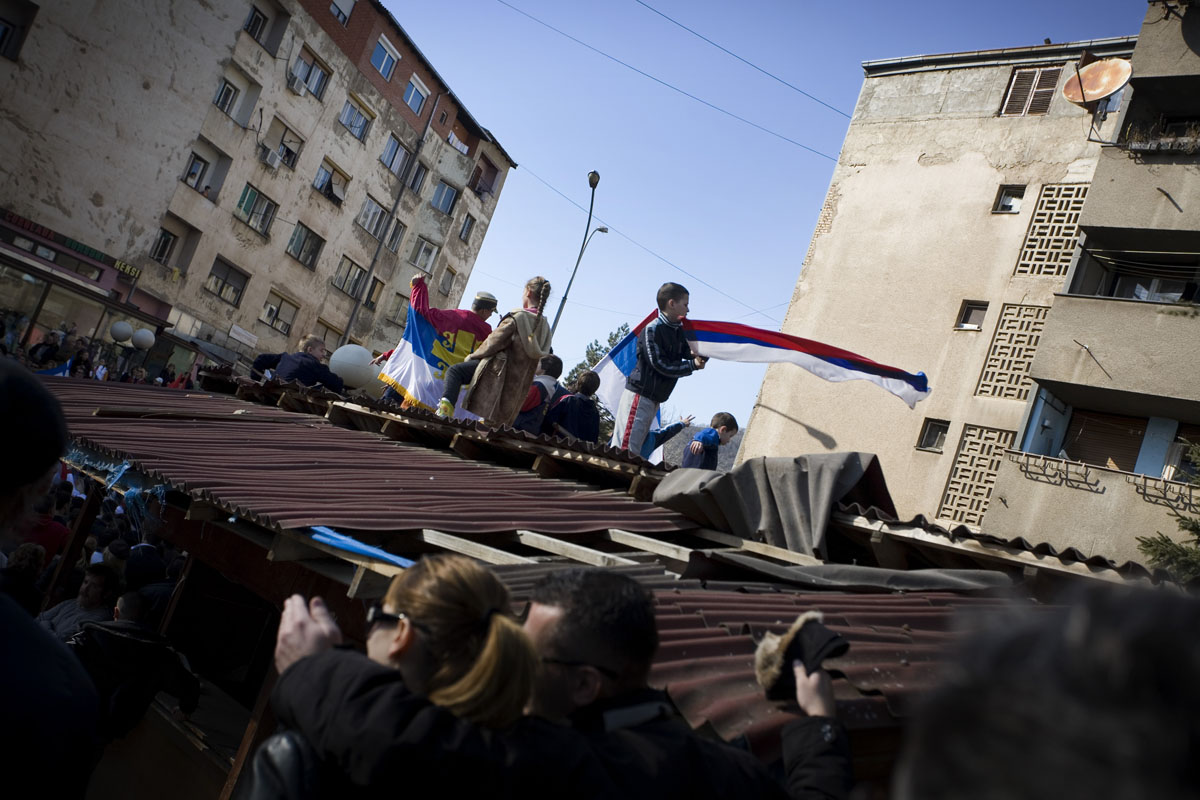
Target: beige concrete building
[(230, 169), (948, 245)]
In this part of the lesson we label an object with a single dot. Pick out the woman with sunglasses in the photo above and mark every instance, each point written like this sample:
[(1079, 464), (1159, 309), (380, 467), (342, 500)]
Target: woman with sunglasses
[(445, 625)]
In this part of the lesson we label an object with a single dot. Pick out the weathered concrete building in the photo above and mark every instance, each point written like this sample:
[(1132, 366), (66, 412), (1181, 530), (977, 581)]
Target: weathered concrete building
[(950, 243), (240, 162)]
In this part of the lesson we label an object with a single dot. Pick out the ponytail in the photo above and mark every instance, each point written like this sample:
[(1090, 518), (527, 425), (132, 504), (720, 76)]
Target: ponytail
[(494, 691)]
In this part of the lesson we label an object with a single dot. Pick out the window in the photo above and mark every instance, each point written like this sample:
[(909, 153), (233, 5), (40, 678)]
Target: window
[(393, 239), (468, 225), (483, 180), (444, 196), (341, 9), (355, 118), (331, 182), (373, 295), (933, 435), (447, 282), (415, 94), (1150, 289), (278, 313), (164, 245), (1030, 91), (417, 178), (970, 317), (373, 217), (398, 310), (1008, 200), (442, 120), (305, 246), (384, 58), (311, 72), (423, 254), (14, 25), (394, 154), (197, 168), (226, 282), (226, 97), (349, 277), (256, 24), (329, 334), (256, 209), (283, 140)]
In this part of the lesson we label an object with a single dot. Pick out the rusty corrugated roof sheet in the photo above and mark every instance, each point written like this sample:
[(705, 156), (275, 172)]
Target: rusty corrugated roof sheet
[(283, 470)]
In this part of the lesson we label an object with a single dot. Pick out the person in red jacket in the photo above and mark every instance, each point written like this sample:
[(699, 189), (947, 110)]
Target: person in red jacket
[(461, 330)]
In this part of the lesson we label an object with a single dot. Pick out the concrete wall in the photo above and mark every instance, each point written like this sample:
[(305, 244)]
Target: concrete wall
[(1099, 511), (1157, 190), (112, 99), (907, 236), (1169, 42), (1147, 348)]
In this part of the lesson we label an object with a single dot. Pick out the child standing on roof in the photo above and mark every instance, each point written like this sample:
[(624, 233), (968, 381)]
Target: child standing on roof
[(702, 451), (663, 357), (501, 369)]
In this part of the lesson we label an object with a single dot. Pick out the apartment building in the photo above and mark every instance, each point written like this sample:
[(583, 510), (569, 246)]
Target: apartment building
[(237, 173)]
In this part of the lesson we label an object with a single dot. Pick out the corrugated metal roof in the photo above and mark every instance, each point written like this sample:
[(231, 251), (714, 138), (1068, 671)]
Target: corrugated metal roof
[(283, 470)]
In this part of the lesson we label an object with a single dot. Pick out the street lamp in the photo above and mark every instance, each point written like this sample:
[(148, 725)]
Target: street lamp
[(593, 181)]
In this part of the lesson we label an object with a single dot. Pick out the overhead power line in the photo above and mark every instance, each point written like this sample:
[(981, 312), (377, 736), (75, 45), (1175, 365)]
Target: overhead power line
[(744, 61), (613, 229), (672, 87)]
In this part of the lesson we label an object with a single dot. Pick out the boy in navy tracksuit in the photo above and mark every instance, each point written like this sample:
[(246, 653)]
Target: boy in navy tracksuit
[(702, 451), (664, 355)]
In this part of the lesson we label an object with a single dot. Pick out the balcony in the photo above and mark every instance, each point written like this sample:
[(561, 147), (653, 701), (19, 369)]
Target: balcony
[(1124, 356), (1096, 510)]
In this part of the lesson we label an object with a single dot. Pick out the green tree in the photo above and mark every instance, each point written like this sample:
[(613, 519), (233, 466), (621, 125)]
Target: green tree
[(591, 355), (1182, 558)]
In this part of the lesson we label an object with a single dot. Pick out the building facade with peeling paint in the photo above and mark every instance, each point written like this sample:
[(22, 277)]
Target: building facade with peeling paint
[(231, 167)]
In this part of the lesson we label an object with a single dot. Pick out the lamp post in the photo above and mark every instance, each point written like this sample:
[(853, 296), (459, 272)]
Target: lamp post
[(593, 181)]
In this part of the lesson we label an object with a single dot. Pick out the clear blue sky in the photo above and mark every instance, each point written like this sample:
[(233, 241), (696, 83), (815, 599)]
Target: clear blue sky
[(730, 204)]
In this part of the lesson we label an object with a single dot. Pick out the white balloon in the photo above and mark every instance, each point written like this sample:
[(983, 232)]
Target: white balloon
[(143, 339), (352, 363), (121, 331)]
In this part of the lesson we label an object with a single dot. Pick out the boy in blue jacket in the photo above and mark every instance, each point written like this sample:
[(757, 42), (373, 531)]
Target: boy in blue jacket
[(702, 451)]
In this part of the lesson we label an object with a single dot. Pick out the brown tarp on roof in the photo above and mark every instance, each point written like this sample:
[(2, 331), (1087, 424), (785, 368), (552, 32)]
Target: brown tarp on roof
[(785, 502)]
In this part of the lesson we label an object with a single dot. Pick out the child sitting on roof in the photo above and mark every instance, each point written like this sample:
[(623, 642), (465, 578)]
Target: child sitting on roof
[(575, 415)]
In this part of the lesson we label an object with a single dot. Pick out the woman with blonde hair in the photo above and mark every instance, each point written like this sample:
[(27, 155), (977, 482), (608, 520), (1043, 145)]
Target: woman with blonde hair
[(501, 369), (446, 625)]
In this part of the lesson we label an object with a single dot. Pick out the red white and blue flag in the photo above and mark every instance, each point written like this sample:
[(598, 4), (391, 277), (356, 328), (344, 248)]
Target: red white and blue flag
[(729, 341)]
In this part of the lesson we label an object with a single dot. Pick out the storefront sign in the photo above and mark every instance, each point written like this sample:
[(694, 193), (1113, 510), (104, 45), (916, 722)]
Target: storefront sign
[(17, 221), (242, 335)]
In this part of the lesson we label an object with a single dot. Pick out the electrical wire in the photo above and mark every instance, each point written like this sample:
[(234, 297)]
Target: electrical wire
[(744, 61), (613, 229), (672, 87)]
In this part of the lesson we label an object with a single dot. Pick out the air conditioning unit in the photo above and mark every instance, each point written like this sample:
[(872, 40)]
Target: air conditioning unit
[(297, 85), (269, 157)]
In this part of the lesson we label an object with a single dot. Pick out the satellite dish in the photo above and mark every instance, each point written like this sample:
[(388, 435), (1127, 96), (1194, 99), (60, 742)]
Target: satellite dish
[(1099, 80)]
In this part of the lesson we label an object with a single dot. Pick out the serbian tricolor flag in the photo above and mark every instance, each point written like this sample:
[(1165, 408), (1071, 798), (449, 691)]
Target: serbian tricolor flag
[(418, 365), (729, 341)]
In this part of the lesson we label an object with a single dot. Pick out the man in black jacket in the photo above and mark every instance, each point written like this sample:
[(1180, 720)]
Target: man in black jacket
[(596, 634), (304, 366)]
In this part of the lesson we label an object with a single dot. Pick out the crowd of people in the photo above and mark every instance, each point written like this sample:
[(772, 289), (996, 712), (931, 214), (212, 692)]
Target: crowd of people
[(64, 351)]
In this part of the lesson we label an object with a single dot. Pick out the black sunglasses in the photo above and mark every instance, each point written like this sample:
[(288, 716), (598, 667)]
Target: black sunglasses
[(376, 614), (565, 663)]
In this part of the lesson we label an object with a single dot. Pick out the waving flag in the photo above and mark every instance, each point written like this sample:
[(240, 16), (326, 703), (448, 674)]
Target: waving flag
[(729, 341), (61, 371), (418, 365)]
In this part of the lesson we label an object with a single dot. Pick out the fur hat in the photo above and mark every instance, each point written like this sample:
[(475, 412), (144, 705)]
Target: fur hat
[(807, 641)]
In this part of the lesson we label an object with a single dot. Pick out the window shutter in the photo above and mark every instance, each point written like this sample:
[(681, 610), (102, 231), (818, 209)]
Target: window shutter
[(1018, 92), (1105, 440), (1043, 91)]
